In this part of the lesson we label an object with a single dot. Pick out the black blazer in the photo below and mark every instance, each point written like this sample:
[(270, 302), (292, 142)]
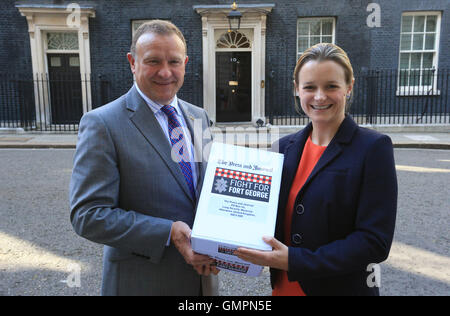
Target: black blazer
[(344, 216)]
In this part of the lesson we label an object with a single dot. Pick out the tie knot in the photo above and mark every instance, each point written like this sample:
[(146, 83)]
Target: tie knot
[(169, 110)]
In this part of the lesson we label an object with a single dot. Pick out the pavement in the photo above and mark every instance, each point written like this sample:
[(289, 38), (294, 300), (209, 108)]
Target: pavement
[(43, 256), (40, 254), (430, 137)]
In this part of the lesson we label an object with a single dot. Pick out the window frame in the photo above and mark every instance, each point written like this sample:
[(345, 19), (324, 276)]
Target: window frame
[(45, 36), (134, 22), (419, 89), (315, 19)]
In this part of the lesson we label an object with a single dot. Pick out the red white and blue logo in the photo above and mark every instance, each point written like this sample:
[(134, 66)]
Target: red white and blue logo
[(242, 184)]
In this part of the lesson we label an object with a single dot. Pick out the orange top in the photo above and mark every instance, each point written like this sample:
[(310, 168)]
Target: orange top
[(310, 157)]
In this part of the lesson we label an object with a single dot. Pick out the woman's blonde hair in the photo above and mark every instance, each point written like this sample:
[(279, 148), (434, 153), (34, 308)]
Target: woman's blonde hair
[(323, 52)]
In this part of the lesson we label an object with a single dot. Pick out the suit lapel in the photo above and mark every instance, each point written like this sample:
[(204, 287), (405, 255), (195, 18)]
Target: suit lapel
[(145, 121), (334, 149), (292, 154)]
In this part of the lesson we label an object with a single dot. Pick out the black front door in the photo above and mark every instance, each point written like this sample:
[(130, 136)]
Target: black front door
[(233, 87), (66, 99)]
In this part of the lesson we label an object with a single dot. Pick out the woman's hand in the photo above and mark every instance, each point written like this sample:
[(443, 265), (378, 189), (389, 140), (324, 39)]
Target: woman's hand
[(277, 258)]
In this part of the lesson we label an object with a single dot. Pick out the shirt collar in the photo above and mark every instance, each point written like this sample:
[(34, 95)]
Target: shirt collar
[(154, 106)]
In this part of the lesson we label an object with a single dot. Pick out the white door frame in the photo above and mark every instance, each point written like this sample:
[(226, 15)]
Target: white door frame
[(43, 19), (214, 17)]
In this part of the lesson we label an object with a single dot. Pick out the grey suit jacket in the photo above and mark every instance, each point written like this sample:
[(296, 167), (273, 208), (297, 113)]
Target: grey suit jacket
[(126, 191)]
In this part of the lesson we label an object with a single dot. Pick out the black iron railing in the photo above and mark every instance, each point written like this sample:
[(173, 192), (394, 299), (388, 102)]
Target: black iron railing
[(44, 103), (56, 103), (380, 97)]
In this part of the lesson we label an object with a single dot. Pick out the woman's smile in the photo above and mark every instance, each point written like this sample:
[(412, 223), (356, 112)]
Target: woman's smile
[(321, 107)]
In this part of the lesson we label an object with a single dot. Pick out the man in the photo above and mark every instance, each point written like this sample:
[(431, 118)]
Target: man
[(135, 181)]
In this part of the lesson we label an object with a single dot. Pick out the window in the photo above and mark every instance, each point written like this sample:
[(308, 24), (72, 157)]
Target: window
[(311, 31), (136, 23), (62, 41), (233, 39), (419, 46)]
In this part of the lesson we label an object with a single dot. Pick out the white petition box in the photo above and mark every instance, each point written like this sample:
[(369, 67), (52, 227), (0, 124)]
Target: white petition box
[(238, 205)]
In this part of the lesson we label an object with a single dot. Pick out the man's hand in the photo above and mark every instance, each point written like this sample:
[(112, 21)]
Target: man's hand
[(180, 236), (206, 269)]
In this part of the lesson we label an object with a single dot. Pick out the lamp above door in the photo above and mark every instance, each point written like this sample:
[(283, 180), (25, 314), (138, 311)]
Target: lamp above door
[(234, 18)]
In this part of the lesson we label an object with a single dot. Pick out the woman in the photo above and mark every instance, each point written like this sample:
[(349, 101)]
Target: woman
[(338, 198)]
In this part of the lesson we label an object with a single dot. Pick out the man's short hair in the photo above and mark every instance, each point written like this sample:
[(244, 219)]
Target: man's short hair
[(159, 27)]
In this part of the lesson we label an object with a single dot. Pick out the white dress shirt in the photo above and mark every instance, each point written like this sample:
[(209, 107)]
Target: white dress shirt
[(163, 121)]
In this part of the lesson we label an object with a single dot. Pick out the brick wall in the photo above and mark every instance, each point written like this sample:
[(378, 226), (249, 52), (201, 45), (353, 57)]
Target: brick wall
[(15, 54), (110, 36)]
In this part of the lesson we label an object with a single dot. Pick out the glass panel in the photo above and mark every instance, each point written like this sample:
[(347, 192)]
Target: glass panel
[(414, 78), (315, 40), (241, 41), (303, 44), (136, 25), (419, 23), (233, 40), (427, 60), (429, 41), (404, 76), (303, 28), (415, 60), (238, 37), (327, 39), (407, 23), (55, 61), (315, 28), (62, 41), (327, 28), (418, 41), (427, 76), (405, 42), (404, 61), (74, 62), (233, 37), (431, 23)]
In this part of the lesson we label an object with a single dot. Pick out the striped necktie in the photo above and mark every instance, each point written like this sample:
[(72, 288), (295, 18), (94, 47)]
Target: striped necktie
[(179, 146)]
